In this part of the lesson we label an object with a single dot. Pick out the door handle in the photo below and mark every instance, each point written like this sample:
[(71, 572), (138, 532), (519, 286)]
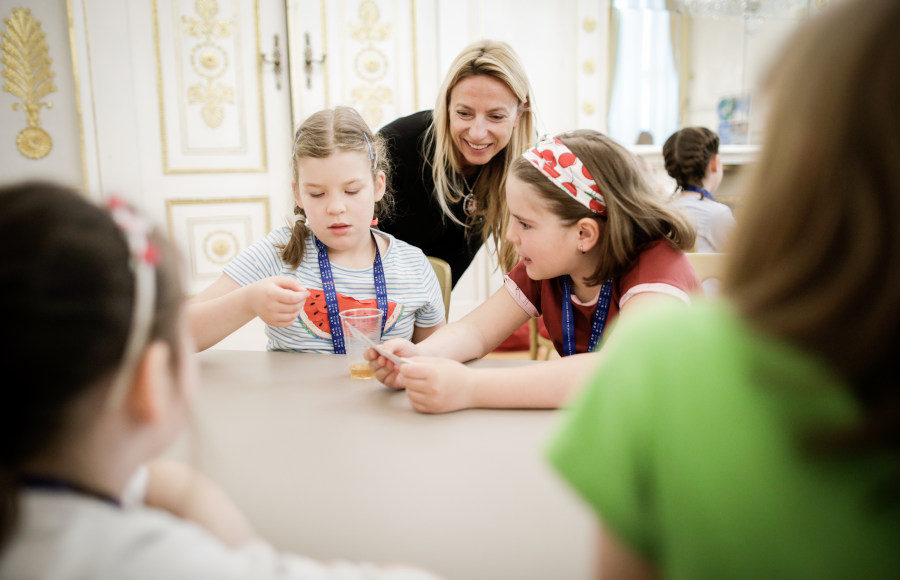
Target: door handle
[(276, 61), (309, 61)]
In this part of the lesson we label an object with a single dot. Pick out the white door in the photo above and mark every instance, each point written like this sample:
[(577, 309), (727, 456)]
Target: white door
[(185, 111)]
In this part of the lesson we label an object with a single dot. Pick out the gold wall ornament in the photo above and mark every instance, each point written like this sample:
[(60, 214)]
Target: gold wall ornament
[(221, 246), (372, 99), (26, 69), (371, 63), (209, 61), (369, 30)]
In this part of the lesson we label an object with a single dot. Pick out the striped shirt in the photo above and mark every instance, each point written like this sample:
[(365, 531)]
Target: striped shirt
[(414, 295)]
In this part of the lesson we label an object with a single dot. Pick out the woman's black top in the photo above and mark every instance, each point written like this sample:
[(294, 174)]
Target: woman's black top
[(417, 218)]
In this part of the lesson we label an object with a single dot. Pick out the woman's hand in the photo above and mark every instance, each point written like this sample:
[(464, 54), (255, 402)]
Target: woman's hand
[(437, 385), (385, 370), (278, 300)]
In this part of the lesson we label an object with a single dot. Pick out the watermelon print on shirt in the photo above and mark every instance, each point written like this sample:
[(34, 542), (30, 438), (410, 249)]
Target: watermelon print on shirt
[(315, 313), (414, 295)]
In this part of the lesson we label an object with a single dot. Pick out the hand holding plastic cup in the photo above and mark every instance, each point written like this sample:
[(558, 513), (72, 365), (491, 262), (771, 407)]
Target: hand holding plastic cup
[(362, 328)]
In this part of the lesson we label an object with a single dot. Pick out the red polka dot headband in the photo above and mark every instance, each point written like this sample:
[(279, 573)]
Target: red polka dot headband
[(566, 171)]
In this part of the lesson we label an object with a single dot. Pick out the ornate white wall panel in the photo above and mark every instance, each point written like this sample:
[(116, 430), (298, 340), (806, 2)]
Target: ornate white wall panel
[(210, 85), (211, 232)]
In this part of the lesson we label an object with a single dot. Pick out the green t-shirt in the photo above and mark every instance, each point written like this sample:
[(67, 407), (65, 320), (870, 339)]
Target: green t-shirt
[(687, 444)]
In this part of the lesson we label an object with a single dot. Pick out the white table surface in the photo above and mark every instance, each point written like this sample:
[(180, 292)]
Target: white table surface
[(331, 467)]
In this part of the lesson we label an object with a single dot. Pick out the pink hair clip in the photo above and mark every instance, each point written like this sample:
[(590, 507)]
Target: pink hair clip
[(144, 256)]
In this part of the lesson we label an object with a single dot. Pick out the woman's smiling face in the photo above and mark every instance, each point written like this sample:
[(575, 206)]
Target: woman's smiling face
[(483, 113)]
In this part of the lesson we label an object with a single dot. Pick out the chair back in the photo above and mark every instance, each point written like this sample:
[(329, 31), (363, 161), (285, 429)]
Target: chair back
[(707, 265), (445, 279)]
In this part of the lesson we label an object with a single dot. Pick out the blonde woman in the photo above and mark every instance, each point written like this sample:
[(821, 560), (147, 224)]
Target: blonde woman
[(449, 164)]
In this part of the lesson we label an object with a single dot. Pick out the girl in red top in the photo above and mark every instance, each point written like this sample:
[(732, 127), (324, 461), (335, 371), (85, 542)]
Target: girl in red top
[(594, 240)]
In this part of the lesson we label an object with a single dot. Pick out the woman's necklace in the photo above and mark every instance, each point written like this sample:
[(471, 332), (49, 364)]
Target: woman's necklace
[(469, 204)]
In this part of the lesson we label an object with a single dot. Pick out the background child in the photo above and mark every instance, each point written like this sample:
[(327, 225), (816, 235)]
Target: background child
[(772, 450), (594, 240), (692, 160), (77, 422), (340, 178)]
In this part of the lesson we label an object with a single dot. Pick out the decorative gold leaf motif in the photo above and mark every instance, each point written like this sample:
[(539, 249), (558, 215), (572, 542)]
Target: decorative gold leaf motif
[(209, 61), (372, 97), (371, 63), (212, 98), (369, 30), (26, 70)]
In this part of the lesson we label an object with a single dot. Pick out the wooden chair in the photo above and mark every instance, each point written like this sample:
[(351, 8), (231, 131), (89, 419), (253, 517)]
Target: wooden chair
[(539, 347), (445, 279), (707, 265), (709, 268)]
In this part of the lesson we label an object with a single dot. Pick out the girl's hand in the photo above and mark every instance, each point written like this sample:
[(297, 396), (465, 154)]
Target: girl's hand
[(385, 370), (437, 385), (278, 300)]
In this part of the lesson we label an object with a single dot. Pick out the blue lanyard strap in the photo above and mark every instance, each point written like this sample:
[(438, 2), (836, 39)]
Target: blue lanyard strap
[(331, 303), (700, 190), (63, 485), (598, 322)]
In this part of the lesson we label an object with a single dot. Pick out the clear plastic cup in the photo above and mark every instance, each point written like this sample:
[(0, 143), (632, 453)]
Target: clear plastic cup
[(362, 329)]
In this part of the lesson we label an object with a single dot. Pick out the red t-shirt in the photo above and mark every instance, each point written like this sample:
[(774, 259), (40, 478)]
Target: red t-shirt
[(659, 268)]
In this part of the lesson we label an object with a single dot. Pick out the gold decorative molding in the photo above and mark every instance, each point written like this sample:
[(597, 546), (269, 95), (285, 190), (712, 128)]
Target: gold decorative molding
[(26, 69), (221, 246), (589, 107), (371, 63), (209, 60), (589, 24), (589, 66), (73, 47)]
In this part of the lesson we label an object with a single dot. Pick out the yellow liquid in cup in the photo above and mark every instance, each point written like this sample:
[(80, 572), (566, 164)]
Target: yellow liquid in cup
[(361, 370)]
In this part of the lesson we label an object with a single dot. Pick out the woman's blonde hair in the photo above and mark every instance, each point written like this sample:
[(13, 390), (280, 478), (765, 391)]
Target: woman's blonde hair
[(636, 214), (816, 254), (495, 59), (323, 133)]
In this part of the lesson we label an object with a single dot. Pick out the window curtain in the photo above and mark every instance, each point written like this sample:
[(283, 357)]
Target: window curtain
[(645, 95)]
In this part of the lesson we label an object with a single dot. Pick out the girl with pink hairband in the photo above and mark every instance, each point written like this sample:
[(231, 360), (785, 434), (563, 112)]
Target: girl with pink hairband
[(594, 241)]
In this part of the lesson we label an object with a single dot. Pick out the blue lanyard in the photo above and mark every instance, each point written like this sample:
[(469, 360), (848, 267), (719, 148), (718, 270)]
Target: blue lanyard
[(700, 190), (331, 304), (63, 485), (598, 322)]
